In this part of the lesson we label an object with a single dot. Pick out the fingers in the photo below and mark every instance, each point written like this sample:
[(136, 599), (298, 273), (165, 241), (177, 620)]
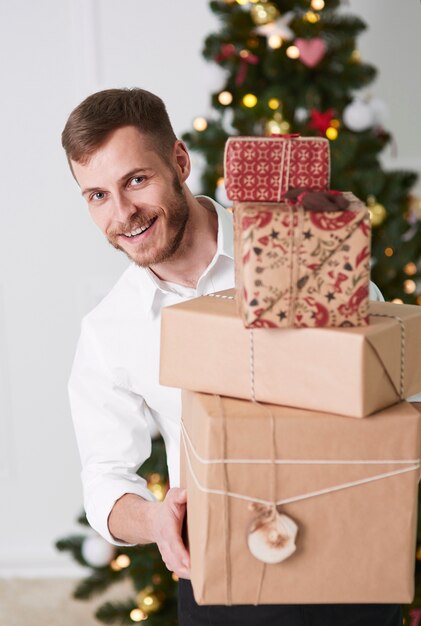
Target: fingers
[(169, 540)]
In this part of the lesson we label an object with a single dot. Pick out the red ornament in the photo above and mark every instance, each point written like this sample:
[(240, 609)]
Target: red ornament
[(321, 121)]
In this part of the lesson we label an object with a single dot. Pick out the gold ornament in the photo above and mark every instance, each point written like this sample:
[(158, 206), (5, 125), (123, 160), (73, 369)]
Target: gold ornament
[(264, 13), (311, 17), (376, 210), (149, 601)]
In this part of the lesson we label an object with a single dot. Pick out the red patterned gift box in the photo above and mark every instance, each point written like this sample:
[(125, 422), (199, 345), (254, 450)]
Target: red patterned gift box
[(302, 268), (262, 168)]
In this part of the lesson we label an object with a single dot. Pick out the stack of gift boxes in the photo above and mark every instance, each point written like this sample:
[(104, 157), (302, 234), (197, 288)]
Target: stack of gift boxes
[(291, 498)]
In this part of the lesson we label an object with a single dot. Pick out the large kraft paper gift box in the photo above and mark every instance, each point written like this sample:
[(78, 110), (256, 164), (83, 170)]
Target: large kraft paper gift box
[(350, 371), (264, 168), (302, 268), (349, 486)]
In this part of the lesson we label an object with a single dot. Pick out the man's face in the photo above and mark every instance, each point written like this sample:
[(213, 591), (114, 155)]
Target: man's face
[(134, 197)]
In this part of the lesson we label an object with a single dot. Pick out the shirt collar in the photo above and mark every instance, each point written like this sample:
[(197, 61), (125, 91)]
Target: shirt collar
[(150, 285)]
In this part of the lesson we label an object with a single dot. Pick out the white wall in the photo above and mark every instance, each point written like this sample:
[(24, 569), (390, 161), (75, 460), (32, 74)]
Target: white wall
[(54, 265)]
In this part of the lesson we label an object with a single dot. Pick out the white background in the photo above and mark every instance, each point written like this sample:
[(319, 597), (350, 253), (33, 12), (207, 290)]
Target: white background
[(54, 264)]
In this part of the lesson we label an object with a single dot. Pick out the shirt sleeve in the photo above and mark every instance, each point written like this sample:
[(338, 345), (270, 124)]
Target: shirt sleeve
[(112, 434), (376, 294)]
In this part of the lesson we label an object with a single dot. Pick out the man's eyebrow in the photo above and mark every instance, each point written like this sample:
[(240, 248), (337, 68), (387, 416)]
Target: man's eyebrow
[(136, 170)]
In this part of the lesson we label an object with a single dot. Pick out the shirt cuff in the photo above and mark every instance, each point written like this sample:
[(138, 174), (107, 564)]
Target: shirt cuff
[(99, 501)]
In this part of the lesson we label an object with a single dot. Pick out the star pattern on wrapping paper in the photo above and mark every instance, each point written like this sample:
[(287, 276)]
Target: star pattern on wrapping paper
[(330, 296), (307, 234), (274, 234), (282, 315)]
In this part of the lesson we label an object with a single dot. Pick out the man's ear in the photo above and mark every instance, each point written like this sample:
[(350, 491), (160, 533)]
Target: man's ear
[(182, 161)]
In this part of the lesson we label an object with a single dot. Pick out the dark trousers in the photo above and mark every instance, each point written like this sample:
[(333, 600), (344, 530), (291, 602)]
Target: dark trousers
[(191, 614)]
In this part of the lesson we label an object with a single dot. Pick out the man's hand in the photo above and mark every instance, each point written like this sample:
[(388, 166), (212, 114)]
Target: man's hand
[(138, 521), (167, 527)]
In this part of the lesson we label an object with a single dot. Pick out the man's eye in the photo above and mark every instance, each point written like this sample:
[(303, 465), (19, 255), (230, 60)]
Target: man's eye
[(98, 195)]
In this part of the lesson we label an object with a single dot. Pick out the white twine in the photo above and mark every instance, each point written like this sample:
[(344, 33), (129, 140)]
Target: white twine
[(402, 359), (413, 465)]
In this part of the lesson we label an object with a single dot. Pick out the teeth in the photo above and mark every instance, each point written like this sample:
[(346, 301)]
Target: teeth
[(138, 231)]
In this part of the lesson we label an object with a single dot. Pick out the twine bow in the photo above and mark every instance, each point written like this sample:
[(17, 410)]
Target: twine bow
[(246, 58)]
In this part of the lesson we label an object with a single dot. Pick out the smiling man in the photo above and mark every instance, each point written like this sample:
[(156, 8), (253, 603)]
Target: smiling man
[(132, 171)]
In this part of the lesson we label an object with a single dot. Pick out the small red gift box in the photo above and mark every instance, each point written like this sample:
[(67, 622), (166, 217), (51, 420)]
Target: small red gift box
[(262, 169)]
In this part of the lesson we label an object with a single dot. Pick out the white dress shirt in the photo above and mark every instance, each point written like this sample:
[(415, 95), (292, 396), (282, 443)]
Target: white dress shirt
[(114, 387)]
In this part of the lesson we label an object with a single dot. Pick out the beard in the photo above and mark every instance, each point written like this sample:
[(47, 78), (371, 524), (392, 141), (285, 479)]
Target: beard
[(176, 222)]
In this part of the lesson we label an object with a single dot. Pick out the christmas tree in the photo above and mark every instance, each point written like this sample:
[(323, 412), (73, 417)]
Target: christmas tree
[(154, 588), (293, 66)]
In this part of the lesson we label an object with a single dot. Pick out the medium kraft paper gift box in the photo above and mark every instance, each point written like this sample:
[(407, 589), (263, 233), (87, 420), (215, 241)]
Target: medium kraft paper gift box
[(350, 486), (264, 168), (349, 371), (300, 267)]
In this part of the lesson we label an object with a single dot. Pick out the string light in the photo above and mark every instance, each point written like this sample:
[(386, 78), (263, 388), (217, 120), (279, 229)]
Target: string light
[(220, 181), (137, 615), (174, 577), (397, 301), (389, 251), (331, 133), (292, 52), (311, 17), (273, 103), (250, 100), (317, 5), (410, 269), (225, 98), (419, 300), (200, 124), (335, 123), (275, 41), (409, 286), (115, 566), (123, 561)]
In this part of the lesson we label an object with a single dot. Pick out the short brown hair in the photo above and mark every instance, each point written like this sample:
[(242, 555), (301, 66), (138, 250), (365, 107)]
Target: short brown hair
[(99, 114)]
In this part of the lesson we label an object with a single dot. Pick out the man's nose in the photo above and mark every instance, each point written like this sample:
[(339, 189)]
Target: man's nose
[(123, 207)]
